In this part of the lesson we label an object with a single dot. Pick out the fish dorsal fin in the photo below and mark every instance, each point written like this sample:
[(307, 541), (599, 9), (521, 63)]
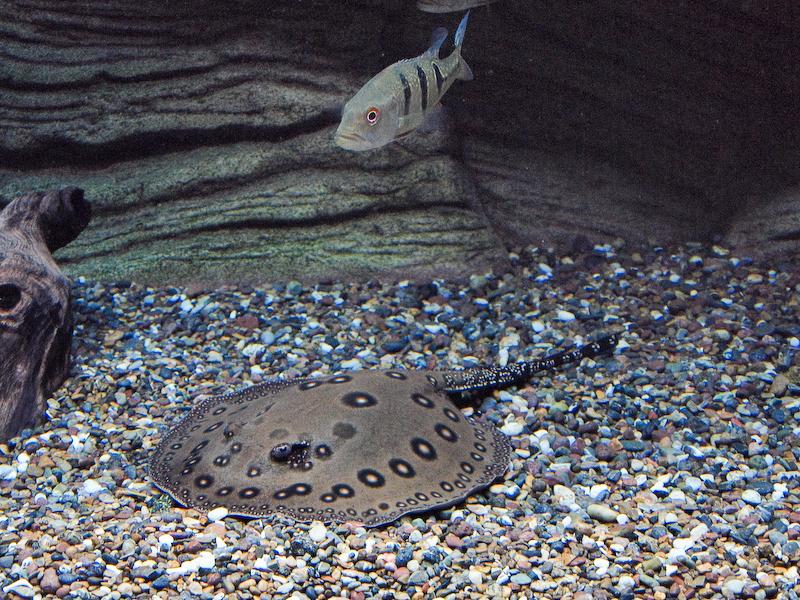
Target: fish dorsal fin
[(437, 39)]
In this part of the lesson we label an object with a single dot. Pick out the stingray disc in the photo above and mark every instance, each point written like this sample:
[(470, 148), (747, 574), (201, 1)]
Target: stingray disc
[(369, 446)]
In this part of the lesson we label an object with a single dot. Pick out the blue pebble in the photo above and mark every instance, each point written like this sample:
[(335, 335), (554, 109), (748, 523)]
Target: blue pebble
[(779, 415), (405, 555), (67, 578), (161, 583)]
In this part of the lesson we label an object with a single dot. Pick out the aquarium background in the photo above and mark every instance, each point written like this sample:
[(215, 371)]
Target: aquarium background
[(615, 168), (202, 133)]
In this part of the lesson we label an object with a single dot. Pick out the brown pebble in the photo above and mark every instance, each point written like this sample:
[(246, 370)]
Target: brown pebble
[(49, 582), (247, 322)]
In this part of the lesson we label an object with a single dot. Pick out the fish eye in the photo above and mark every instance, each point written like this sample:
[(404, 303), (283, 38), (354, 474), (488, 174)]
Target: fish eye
[(373, 114), (281, 452)]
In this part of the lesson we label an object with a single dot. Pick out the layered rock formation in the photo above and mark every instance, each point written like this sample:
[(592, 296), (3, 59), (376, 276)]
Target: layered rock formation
[(202, 132)]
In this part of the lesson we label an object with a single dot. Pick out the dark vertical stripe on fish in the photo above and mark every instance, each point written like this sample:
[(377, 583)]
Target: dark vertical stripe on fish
[(439, 77), (423, 86), (406, 94)]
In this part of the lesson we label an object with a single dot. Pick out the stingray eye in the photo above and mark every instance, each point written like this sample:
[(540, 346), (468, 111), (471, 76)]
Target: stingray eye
[(373, 114), (10, 295), (281, 452)]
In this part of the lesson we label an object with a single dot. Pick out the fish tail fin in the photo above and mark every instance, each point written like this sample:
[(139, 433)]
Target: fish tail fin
[(464, 70)]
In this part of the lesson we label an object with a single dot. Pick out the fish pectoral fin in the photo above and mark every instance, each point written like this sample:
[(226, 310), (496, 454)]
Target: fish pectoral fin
[(402, 136), (438, 37)]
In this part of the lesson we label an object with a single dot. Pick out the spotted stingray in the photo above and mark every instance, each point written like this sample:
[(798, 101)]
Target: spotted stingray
[(367, 446)]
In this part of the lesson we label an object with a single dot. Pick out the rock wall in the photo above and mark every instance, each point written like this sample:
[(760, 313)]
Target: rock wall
[(202, 131)]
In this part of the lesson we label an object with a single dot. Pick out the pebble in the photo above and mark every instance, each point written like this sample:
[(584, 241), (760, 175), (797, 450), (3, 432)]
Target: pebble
[(217, 514), (733, 587), (204, 560), (601, 512), (91, 487), (563, 495), (318, 532), (751, 497), (49, 582), (521, 579), (512, 429)]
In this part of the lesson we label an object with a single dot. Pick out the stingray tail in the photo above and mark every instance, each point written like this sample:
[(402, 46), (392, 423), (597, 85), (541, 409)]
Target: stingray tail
[(488, 378)]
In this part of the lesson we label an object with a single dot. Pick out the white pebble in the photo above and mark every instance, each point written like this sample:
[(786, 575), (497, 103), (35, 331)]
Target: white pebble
[(751, 497), (626, 582), (602, 565), (217, 514), (512, 428), (564, 315), (512, 491), (318, 532), (478, 509), (91, 487), (204, 560), (8, 472), (675, 555), (563, 495), (285, 588), (599, 491), (733, 586), (252, 350), (475, 577), (693, 483), (22, 587), (683, 543), (677, 496), (698, 531), (667, 518), (781, 489)]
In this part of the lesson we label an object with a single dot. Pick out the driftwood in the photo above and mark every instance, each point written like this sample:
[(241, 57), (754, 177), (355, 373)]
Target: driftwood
[(35, 309)]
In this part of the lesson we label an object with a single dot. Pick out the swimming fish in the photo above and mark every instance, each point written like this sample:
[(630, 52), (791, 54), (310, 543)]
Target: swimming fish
[(368, 446), (442, 6), (397, 100)]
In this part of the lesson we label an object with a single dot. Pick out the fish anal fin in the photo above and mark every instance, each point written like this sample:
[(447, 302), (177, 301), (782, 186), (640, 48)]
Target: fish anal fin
[(464, 70), (435, 120)]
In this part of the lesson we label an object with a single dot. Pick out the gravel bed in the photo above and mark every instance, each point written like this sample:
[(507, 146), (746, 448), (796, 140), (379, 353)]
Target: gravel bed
[(669, 470)]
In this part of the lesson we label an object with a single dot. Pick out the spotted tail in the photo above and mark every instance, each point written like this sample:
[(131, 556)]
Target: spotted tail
[(486, 378)]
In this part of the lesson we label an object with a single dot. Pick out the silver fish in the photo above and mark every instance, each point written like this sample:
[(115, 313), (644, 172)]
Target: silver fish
[(442, 6), (397, 100)]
